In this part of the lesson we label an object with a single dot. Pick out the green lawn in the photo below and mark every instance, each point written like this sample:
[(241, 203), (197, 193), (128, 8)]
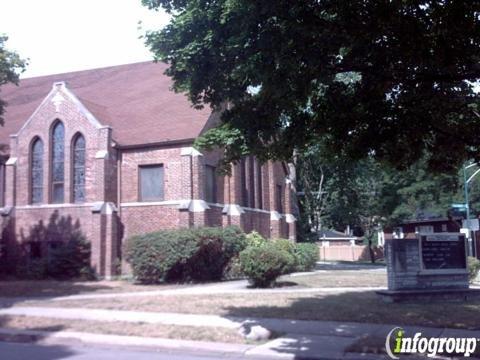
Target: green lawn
[(349, 306), (48, 288), (340, 278)]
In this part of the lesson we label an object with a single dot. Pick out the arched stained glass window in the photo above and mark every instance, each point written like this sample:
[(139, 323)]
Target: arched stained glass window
[(58, 163), (79, 169), (36, 175)]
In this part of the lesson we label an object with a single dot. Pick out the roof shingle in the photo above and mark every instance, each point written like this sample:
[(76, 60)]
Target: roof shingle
[(134, 99)]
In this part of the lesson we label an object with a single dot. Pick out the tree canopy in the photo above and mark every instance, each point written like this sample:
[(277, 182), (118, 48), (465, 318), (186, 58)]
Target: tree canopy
[(389, 79), (367, 195), (11, 65)]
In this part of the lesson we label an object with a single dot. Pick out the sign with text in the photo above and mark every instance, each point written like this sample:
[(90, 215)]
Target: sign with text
[(443, 251), (471, 224)]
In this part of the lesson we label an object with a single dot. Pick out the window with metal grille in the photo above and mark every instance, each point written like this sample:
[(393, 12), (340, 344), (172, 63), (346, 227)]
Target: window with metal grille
[(36, 174), (151, 183), (58, 163)]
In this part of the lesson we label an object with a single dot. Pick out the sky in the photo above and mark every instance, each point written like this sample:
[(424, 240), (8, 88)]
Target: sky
[(60, 36)]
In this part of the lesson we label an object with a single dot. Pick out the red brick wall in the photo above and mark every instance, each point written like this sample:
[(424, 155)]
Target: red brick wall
[(40, 126), (173, 168), (142, 219), (183, 180)]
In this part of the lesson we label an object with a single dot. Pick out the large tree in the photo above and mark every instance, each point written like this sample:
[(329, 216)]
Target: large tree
[(393, 79), (11, 65), (365, 194)]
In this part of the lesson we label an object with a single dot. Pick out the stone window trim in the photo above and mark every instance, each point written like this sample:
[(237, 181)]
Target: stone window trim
[(36, 169), (141, 196), (78, 168), (57, 163)]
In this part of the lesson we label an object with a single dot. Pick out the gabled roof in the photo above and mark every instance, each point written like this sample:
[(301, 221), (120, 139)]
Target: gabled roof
[(134, 99)]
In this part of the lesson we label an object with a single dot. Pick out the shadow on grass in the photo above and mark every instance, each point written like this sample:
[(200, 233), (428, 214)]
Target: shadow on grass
[(349, 265), (44, 289)]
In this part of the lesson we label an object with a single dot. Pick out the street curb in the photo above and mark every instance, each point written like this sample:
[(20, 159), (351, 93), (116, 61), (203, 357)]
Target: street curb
[(49, 337), (164, 344)]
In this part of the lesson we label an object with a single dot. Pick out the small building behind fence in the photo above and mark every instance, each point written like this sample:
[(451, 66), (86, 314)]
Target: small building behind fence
[(338, 246)]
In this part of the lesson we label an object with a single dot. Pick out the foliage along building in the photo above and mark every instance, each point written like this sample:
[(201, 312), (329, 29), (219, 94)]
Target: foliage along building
[(108, 152)]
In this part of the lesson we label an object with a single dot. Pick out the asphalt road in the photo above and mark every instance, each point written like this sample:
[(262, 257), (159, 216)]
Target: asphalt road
[(21, 351)]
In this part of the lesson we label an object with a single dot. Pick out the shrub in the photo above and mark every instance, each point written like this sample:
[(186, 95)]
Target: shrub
[(473, 268), (33, 269), (255, 239), (290, 248), (265, 263), (200, 254), (215, 248), (233, 270), (285, 245), (71, 260), (306, 255), (152, 255)]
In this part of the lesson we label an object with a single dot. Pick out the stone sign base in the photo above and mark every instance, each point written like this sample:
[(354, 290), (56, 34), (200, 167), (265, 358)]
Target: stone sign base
[(425, 296)]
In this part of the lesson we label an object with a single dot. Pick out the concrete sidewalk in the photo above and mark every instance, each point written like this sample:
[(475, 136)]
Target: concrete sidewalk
[(289, 347), (302, 327), (230, 287), (302, 339)]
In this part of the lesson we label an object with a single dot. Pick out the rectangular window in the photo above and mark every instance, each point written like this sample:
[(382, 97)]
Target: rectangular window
[(151, 183), (424, 229), (210, 184), (251, 182), (279, 194), (243, 182), (259, 186)]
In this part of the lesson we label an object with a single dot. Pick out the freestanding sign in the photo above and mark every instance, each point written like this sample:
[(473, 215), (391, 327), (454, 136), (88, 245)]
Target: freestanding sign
[(424, 261)]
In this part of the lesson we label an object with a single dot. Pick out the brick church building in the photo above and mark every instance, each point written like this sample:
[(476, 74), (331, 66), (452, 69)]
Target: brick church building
[(108, 152)]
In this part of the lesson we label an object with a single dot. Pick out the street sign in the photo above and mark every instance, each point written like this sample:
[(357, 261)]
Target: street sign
[(471, 224), (459, 206)]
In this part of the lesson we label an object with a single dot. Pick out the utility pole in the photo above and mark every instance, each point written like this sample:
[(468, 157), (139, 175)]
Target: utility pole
[(472, 242)]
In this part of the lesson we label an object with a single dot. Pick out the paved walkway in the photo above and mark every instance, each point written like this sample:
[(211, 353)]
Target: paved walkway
[(227, 287), (231, 322), (302, 339)]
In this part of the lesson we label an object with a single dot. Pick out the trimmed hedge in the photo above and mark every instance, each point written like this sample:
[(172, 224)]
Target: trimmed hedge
[(200, 254), (263, 264), (255, 239), (265, 260), (306, 256)]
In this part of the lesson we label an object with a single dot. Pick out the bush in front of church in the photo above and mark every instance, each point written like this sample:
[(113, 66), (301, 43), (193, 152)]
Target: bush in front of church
[(184, 255), (306, 256), (263, 264)]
